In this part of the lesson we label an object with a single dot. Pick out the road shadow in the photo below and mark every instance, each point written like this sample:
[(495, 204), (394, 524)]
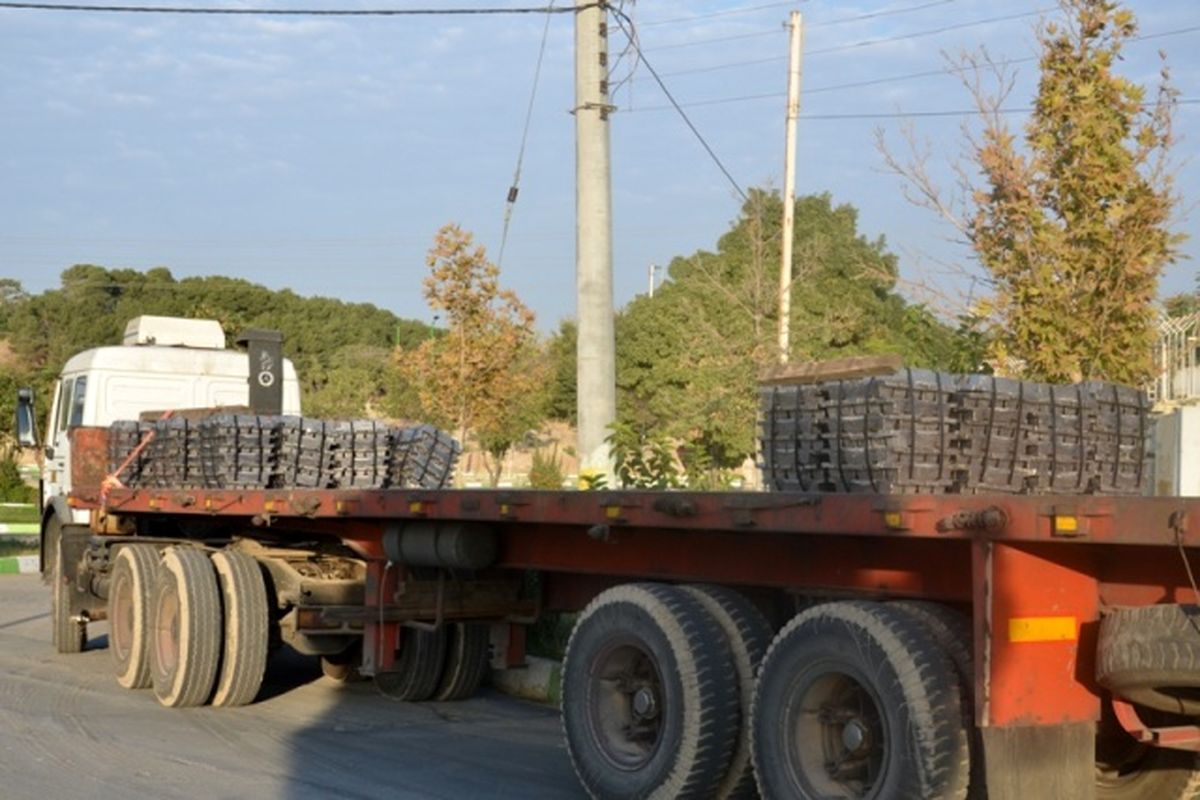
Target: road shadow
[(364, 745)]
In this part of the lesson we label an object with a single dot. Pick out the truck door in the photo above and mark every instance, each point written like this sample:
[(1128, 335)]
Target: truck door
[(66, 414)]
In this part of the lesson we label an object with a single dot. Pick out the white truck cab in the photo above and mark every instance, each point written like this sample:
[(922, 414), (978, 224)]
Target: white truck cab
[(165, 363)]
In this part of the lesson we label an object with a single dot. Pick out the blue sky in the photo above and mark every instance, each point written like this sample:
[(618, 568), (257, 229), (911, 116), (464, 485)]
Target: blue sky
[(321, 154)]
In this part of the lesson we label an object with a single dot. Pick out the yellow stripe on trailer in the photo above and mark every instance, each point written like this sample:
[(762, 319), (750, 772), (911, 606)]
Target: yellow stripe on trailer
[(1043, 629)]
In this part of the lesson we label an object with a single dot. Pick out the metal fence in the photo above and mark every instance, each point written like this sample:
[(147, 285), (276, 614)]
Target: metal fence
[(1177, 355)]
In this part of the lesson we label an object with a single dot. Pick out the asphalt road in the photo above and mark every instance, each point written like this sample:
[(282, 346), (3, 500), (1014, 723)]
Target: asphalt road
[(67, 730)]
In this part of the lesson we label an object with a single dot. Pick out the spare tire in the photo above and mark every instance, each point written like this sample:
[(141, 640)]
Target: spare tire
[(1151, 656)]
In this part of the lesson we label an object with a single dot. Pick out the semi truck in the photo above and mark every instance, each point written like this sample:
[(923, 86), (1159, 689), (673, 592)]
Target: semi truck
[(727, 644)]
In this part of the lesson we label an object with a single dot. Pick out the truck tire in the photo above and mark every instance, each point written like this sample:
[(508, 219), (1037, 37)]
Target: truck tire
[(186, 628), (68, 634), (418, 668), (130, 595), (1130, 770), (467, 655), (247, 622), (952, 632), (748, 635), (889, 721), (1151, 656), (649, 696)]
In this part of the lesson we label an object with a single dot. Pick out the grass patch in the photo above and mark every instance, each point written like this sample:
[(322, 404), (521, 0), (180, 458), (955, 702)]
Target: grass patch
[(17, 549), (19, 515)]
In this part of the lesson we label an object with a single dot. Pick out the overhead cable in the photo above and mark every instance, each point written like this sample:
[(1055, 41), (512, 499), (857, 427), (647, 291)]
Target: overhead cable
[(299, 12), (625, 23), (515, 188)]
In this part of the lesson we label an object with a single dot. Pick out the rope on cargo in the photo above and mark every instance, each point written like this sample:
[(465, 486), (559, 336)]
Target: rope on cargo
[(113, 479)]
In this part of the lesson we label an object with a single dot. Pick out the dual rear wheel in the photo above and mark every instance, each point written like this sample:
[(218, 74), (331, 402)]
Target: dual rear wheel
[(680, 692), (192, 627)]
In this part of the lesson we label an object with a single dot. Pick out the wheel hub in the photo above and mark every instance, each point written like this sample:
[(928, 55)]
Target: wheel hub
[(855, 736), (645, 706)]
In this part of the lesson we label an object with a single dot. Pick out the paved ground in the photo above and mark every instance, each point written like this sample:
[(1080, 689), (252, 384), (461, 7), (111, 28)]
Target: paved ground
[(68, 731)]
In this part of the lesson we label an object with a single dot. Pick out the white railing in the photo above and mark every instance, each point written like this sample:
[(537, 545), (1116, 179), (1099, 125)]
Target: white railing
[(1177, 360)]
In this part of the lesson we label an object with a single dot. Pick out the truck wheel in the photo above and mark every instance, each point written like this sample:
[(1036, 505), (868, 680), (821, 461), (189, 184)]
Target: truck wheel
[(130, 595), (1151, 656), (68, 635), (748, 635), (1130, 770), (186, 628), (247, 617), (418, 668), (649, 695), (466, 661), (952, 632), (856, 699)]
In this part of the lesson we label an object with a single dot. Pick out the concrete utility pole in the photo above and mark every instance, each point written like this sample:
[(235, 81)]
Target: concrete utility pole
[(596, 374), (653, 269), (789, 186)]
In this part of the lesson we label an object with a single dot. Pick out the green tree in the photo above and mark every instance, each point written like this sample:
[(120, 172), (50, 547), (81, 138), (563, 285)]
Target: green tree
[(341, 350), (1072, 223), (486, 374), (689, 357)]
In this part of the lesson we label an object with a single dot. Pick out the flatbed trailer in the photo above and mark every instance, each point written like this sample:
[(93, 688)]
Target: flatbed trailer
[(915, 646)]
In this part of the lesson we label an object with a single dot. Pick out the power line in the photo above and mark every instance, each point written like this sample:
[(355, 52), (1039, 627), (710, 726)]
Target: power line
[(726, 13), (622, 18), (297, 12), (1183, 101), (514, 189), (857, 45), (876, 81), (817, 24), (887, 12)]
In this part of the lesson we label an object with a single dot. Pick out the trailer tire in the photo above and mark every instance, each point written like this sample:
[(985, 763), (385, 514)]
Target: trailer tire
[(68, 635), (889, 702), (748, 635), (952, 632), (130, 595), (467, 656), (1151, 656), (247, 616), (1129, 770), (649, 695), (186, 627), (418, 668)]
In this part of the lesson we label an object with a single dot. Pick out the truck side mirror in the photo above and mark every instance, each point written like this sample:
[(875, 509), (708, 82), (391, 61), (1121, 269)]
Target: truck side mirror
[(27, 433)]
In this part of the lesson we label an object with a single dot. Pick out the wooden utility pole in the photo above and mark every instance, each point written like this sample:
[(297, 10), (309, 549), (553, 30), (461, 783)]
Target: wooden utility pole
[(789, 186), (596, 351)]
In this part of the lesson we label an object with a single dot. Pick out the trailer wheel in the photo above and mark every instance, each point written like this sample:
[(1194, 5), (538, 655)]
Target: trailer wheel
[(1130, 770), (466, 661), (1151, 655), (418, 668), (952, 632), (649, 695), (247, 617), (67, 633), (130, 595), (748, 635), (856, 699), (186, 628)]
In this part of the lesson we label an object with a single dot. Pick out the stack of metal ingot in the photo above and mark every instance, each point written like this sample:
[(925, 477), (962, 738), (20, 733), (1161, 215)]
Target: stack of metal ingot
[(424, 457), (124, 436), (174, 454), (923, 432), (248, 451), (238, 451)]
